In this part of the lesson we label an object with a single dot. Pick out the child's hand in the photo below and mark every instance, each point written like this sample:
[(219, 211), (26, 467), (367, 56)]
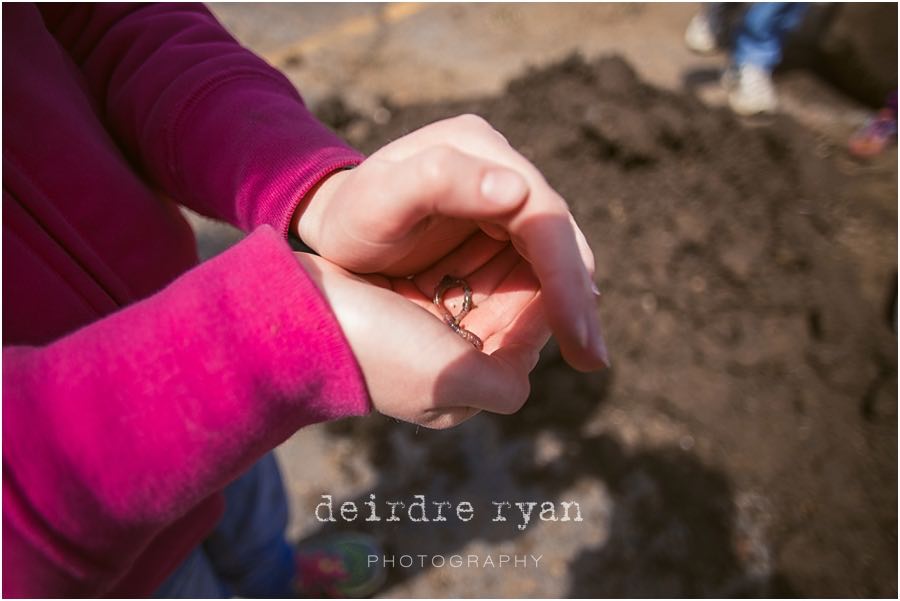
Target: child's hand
[(419, 370), (412, 203)]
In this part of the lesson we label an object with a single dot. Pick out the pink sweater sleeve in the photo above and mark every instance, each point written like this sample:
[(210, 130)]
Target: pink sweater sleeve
[(137, 418), (212, 124)]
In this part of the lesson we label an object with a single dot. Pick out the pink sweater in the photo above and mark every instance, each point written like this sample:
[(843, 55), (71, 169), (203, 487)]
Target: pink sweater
[(135, 383)]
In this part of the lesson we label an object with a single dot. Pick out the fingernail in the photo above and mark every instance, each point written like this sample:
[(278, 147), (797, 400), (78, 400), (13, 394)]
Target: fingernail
[(600, 349), (503, 187), (595, 289), (584, 333), (593, 343), (597, 343)]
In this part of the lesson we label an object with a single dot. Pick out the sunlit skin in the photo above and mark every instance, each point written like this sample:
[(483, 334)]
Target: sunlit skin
[(450, 198), (506, 303), (396, 330), (413, 203)]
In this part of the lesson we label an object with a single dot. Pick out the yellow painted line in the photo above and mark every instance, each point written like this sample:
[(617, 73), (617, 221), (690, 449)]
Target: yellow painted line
[(347, 29)]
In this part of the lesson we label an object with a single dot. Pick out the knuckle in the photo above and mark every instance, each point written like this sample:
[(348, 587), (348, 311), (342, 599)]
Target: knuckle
[(438, 420), (436, 160), (471, 120), (435, 167), (500, 137), (559, 204), (518, 395)]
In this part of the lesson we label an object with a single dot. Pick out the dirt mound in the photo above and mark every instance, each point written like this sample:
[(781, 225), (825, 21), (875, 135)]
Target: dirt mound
[(746, 434)]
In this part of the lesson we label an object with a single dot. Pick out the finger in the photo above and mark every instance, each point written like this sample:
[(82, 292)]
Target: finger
[(584, 249), (470, 256), (569, 303), (497, 383), (494, 231), (482, 263), (495, 315), (526, 325), (492, 280)]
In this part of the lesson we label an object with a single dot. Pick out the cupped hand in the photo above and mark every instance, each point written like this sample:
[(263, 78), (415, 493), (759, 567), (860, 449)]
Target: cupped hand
[(416, 368), (414, 203)]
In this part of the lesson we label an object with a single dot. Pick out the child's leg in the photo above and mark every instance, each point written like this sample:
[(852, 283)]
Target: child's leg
[(761, 32), (247, 554), (194, 579), (248, 549)]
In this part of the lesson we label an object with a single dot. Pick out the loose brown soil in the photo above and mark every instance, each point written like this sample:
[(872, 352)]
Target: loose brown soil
[(745, 440)]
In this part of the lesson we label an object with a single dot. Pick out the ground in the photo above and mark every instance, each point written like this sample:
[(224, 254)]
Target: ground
[(744, 442)]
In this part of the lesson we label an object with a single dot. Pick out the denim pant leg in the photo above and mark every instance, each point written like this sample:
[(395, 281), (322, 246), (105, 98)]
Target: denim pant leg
[(760, 36), (247, 551), (195, 578)]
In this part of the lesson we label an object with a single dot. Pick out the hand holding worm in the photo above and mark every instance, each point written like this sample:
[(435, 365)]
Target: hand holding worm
[(416, 201)]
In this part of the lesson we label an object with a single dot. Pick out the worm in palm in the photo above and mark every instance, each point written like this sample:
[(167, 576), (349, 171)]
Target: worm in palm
[(448, 283)]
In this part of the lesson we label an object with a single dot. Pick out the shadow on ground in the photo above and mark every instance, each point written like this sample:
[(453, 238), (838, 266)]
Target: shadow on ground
[(663, 524)]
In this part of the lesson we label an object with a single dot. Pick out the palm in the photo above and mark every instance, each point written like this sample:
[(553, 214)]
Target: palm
[(504, 290), (426, 245)]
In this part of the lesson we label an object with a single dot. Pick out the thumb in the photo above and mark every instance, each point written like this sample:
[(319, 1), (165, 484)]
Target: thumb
[(445, 181), (497, 382)]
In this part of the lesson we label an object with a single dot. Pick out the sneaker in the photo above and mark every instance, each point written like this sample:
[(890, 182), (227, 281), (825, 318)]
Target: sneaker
[(701, 35), (750, 90), (338, 567), (875, 136)]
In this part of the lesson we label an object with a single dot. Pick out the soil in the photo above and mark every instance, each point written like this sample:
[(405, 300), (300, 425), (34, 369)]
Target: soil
[(744, 442)]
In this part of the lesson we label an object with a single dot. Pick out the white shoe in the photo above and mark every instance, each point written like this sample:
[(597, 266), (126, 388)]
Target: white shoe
[(750, 90), (701, 35)]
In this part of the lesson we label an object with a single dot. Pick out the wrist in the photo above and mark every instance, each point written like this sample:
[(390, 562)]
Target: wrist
[(307, 216)]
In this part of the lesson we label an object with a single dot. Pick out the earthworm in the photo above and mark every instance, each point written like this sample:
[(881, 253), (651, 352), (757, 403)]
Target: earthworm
[(447, 283)]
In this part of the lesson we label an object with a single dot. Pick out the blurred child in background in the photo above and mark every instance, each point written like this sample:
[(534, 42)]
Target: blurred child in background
[(755, 50)]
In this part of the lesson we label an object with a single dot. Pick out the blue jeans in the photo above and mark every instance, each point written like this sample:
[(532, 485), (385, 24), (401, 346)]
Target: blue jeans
[(761, 33), (247, 554)]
